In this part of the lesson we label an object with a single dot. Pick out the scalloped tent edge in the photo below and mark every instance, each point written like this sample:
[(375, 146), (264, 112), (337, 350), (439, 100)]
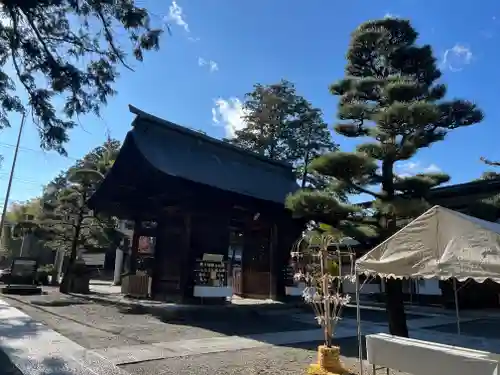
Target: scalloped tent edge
[(440, 243)]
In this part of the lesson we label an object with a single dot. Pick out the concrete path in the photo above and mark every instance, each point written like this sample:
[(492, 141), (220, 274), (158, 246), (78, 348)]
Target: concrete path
[(348, 328), (37, 350)]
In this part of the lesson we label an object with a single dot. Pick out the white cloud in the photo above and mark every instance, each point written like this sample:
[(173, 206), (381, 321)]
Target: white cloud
[(390, 15), (230, 114), (193, 39), (212, 65), (177, 16), (456, 58), (433, 168), (411, 168)]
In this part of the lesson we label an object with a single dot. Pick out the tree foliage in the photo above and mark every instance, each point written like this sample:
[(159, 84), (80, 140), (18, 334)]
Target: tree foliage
[(20, 211), (391, 95), (66, 223), (19, 221), (487, 208), (70, 50), (490, 175), (284, 126), (65, 211)]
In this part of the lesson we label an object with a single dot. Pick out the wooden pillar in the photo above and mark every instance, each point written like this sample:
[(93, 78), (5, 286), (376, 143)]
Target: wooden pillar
[(186, 265), (289, 231), (273, 262), (135, 246)]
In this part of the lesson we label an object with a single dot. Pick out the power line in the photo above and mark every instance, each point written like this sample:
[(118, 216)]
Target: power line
[(8, 145), (22, 180)]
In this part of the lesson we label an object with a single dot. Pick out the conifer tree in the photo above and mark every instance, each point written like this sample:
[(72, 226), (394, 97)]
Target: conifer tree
[(284, 126), (391, 95), (66, 223)]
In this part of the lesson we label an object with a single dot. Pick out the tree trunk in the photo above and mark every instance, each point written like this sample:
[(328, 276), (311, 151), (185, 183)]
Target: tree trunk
[(67, 281), (307, 156), (394, 298), (395, 307), (394, 288), (304, 172)]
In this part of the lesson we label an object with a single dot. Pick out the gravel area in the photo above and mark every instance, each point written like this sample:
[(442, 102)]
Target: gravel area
[(94, 325), (269, 360)]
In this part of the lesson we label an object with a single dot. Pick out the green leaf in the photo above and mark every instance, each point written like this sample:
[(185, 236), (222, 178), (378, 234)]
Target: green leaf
[(318, 205), (54, 57), (420, 184), (345, 165), (401, 207)]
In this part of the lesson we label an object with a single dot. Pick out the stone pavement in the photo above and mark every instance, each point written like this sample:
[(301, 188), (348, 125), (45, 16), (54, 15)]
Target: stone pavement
[(142, 342), (37, 350)]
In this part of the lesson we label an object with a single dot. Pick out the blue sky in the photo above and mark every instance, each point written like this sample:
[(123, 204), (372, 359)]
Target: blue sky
[(220, 48)]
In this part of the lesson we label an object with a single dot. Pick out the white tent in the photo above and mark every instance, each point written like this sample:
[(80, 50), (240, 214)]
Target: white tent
[(440, 243)]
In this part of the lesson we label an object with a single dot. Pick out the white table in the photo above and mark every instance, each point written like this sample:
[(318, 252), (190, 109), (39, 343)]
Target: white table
[(418, 357)]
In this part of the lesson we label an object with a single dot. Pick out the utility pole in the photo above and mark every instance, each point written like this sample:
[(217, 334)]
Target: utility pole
[(11, 177)]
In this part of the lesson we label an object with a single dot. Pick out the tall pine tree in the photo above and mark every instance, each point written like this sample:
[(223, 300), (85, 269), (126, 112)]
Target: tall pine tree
[(389, 94)]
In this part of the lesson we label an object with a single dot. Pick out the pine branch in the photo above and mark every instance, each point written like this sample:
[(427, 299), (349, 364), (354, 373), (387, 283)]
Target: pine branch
[(363, 190), (489, 162)]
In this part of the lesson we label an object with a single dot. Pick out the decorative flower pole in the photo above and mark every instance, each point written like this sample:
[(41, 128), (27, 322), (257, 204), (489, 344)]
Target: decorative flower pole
[(319, 265)]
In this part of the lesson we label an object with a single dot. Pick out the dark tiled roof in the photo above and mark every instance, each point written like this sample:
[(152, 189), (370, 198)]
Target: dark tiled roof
[(463, 189), (190, 155)]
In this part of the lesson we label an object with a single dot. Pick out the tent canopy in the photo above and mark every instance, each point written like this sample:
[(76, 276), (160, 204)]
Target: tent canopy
[(440, 243)]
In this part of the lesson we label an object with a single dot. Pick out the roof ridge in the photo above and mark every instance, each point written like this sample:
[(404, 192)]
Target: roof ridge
[(201, 135)]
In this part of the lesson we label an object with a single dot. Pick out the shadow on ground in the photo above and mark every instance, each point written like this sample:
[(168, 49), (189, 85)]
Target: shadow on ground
[(21, 352), (242, 321), (257, 322)]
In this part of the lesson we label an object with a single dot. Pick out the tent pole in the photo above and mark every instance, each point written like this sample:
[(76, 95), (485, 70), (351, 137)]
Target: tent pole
[(457, 311), (358, 325)]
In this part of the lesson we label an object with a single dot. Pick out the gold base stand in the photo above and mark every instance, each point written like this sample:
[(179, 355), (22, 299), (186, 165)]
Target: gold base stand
[(328, 362)]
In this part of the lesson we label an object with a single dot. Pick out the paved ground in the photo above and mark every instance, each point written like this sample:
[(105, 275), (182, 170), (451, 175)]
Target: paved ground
[(94, 325), (262, 361), (487, 328), (223, 344)]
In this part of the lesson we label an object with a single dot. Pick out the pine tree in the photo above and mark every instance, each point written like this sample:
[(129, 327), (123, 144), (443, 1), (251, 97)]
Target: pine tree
[(284, 126), (390, 94), (66, 223), (73, 47)]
